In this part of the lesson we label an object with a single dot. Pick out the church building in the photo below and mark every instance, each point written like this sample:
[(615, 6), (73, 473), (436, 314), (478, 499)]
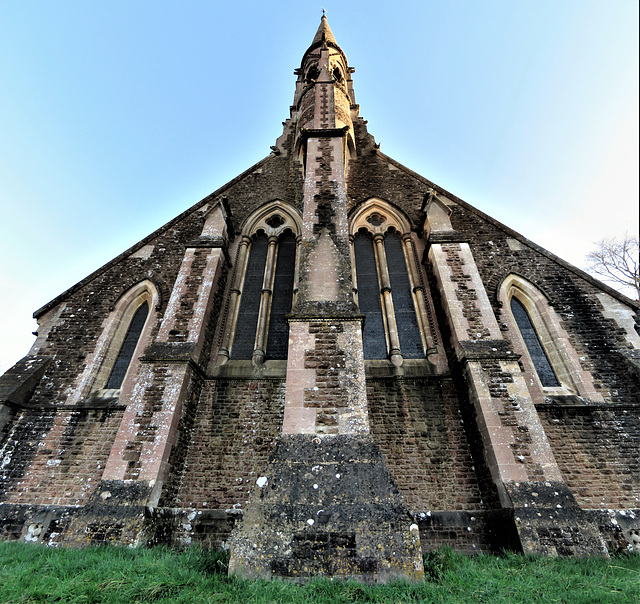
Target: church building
[(330, 365)]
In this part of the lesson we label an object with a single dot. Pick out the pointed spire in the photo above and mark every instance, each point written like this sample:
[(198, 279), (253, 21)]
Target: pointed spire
[(324, 33)]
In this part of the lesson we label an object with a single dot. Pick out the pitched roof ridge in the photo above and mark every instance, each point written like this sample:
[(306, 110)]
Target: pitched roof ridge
[(538, 248), (135, 247)]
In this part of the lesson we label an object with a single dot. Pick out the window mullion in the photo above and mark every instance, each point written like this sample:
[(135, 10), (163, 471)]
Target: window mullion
[(296, 272), (234, 297), (354, 274), (265, 303), (417, 287), (385, 287)]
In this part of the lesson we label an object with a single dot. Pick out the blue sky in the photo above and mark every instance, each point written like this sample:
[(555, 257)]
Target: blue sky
[(117, 116)]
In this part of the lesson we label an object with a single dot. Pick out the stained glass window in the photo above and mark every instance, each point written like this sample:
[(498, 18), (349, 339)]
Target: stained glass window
[(247, 322), (405, 313), (278, 340)]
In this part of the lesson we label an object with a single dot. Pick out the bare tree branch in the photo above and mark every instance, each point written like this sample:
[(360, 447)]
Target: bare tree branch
[(617, 261)]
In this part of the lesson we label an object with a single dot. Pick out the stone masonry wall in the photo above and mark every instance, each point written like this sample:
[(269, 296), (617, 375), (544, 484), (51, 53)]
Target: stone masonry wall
[(228, 440), (598, 451), (279, 177), (595, 338), (418, 427), (55, 457), (372, 175), (74, 335)]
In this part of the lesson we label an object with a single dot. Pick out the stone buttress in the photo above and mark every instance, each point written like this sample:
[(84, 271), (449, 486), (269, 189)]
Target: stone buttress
[(547, 519), (170, 374), (326, 504)]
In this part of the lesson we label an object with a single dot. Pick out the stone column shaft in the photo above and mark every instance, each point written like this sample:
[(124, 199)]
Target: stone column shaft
[(418, 293), (259, 348), (234, 296)]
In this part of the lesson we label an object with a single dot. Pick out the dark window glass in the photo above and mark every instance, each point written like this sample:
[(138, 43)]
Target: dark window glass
[(406, 320), (128, 347), (278, 340), (374, 342), (536, 352), (247, 322)]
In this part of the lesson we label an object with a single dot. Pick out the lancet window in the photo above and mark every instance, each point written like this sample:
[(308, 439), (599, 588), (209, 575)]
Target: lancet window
[(539, 337), (531, 340), (263, 288), (124, 336), (389, 290), (128, 347)]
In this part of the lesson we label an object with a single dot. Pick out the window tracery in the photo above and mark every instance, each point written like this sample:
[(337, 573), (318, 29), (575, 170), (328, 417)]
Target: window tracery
[(389, 290), (262, 290)]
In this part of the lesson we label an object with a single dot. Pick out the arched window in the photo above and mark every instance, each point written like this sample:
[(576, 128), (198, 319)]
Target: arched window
[(266, 299), (278, 338), (125, 333), (538, 335), (129, 344), (389, 291), (532, 342), (373, 336), (403, 306), (244, 339), (262, 291)]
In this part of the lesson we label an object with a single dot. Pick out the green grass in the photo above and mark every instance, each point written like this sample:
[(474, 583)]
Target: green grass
[(30, 573)]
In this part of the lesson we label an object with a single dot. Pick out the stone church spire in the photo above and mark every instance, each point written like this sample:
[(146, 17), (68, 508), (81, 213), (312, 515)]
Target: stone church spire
[(344, 526), (324, 97), (324, 33)]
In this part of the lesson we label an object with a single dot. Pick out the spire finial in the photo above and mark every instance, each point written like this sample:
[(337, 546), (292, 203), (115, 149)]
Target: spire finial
[(324, 34)]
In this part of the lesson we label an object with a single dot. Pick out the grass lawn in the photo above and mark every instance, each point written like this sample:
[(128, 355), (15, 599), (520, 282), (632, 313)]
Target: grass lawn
[(31, 573)]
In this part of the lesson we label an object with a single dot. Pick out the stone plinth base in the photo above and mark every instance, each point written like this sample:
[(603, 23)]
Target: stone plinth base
[(550, 522), (326, 507)]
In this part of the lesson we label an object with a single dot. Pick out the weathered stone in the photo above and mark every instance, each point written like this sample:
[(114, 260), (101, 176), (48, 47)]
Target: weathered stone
[(454, 442), (329, 507)]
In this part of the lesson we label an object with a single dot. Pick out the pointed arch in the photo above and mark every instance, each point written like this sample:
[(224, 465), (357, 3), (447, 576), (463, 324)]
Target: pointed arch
[(388, 284), (263, 286), (127, 348), (125, 334), (537, 335)]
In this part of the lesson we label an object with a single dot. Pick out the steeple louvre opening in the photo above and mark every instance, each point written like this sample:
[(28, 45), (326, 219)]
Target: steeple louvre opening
[(324, 96)]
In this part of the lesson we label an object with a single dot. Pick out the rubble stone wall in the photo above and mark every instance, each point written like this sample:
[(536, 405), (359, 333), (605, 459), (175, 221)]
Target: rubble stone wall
[(419, 428), (55, 457), (230, 435), (598, 451)]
